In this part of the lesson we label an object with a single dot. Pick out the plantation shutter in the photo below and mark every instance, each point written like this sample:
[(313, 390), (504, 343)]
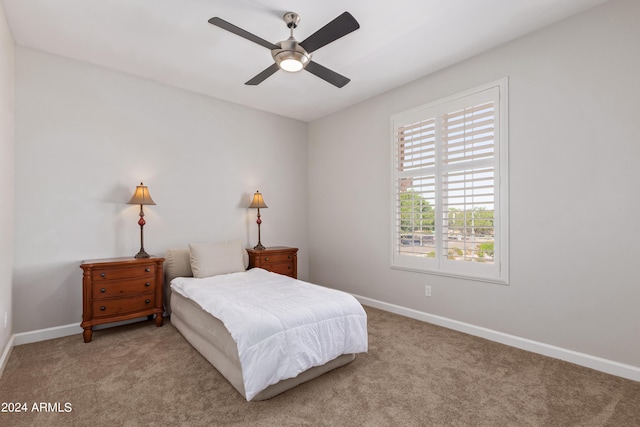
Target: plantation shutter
[(468, 148), (417, 145), (449, 184), (415, 187)]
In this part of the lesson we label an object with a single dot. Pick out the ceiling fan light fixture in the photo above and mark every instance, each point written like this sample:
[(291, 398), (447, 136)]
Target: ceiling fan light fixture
[(291, 64), (290, 57)]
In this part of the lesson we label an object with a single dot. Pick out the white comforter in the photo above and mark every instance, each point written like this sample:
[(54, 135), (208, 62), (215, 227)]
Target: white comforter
[(282, 326)]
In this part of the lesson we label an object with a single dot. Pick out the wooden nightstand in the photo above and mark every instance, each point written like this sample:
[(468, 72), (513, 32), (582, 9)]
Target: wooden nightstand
[(278, 259), (116, 289)]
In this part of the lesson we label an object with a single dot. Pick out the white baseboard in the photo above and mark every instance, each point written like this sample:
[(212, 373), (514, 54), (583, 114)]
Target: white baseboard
[(46, 334), (64, 331), (5, 355), (599, 364)]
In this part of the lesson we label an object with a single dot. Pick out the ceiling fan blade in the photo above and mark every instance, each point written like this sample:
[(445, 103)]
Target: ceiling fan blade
[(339, 27), (263, 75), (326, 74), (218, 22)]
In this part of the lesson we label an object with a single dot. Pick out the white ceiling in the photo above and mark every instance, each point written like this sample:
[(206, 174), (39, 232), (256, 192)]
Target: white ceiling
[(170, 41)]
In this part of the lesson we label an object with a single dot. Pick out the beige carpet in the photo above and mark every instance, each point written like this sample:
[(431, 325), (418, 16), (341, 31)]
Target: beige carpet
[(415, 374)]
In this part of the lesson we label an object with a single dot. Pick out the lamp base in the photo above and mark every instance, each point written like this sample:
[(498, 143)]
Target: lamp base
[(259, 247), (142, 254)]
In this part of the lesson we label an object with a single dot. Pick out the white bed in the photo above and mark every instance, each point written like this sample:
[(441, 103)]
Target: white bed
[(289, 332)]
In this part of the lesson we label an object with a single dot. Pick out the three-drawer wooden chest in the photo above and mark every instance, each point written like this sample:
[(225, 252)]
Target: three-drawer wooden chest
[(117, 289), (277, 259)]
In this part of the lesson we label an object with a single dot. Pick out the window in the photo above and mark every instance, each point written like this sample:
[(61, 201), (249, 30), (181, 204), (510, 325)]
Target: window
[(450, 186)]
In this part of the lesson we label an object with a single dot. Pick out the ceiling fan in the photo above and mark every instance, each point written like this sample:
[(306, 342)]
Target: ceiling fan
[(291, 55)]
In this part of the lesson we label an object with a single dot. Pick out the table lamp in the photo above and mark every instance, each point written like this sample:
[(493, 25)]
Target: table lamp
[(258, 202), (141, 197)]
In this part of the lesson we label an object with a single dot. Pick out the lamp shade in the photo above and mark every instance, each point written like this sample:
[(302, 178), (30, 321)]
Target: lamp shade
[(141, 196), (258, 201)]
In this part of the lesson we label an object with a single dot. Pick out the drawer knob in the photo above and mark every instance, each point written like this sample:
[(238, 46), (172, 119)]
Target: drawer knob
[(289, 256), (103, 308), (266, 258), (147, 284), (103, 274), (103, 290), (289, 267), (147, 269), (147, 301)]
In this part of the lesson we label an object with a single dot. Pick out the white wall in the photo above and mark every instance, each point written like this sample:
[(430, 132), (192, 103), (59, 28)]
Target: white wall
[(6, 177), (85, 136), (574, 152)]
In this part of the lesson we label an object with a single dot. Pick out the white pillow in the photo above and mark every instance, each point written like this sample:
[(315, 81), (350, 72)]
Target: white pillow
[(210, 259)]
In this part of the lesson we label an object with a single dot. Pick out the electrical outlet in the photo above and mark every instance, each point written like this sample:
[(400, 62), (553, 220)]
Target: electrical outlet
[(427, 291)]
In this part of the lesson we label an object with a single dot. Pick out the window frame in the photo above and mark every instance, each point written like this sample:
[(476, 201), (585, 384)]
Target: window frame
[(498, 271)]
